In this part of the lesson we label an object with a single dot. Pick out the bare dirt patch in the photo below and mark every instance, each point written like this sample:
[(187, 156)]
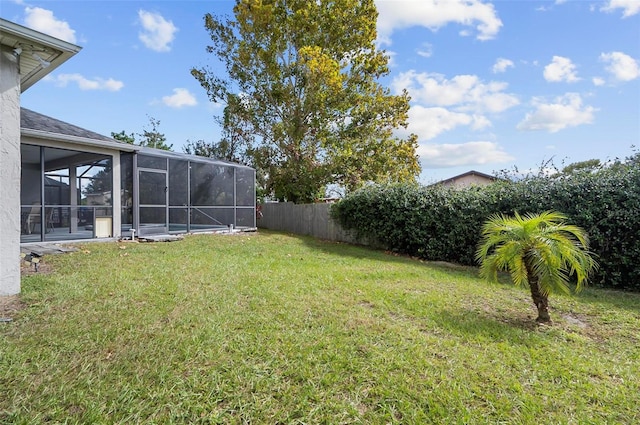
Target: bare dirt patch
[(575, 321), (9, 306), (29, 269)]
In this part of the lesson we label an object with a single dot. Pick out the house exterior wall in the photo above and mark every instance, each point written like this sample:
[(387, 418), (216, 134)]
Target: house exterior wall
[(468, 180), (9, 173)]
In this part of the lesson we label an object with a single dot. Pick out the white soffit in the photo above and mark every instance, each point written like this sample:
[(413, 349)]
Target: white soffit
[(25, 42)]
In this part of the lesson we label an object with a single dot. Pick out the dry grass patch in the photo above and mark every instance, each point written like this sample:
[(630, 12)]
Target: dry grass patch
[(9, 306)]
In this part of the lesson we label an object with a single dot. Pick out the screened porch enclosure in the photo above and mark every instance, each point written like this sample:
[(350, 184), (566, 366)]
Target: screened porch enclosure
[(179, 193), (68, 194), (64, 194)]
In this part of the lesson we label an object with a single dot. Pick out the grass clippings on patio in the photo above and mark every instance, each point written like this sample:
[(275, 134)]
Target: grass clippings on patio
[(270, 328)]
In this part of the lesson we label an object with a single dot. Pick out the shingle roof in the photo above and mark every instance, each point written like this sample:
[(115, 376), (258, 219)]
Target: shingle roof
[(452, 180), (471, 173), (35, 121)]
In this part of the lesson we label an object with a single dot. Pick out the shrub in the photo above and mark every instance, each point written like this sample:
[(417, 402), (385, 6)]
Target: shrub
[(438, 223)]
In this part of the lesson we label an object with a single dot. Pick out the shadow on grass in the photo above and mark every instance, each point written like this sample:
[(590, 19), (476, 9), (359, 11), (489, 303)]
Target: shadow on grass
[(484, 325), (614, 298), (372, 253), (618, 299)]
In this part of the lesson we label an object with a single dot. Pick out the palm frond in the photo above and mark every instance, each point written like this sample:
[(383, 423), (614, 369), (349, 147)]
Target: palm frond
[(543, 244)]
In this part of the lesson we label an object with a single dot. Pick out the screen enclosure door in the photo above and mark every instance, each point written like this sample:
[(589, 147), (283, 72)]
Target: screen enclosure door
[(153, 202)]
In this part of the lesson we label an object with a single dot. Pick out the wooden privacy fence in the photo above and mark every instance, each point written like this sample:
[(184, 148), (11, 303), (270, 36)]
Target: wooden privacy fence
[(303, 219)]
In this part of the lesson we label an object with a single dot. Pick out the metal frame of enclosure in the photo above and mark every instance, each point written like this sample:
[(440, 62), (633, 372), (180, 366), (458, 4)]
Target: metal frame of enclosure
[(67, 193), (179, 193)]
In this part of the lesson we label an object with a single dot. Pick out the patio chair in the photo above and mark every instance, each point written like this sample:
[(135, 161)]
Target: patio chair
[(33, 219), (49, 222)]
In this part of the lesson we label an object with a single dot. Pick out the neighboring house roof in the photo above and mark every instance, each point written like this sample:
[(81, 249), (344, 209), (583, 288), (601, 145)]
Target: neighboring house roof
[(40, 126), (467, 179), (38, 54), (48, 181)]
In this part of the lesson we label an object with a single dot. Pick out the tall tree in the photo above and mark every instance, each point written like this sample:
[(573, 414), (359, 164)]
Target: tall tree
[(101, 180), (588, 166), (152, 138), (303, 95), (540, 251), (236, 142)]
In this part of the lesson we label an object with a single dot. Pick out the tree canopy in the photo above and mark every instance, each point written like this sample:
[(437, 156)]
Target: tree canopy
[(233, 146), (124, 137), (151, 138), (303, 97), (588, 166)]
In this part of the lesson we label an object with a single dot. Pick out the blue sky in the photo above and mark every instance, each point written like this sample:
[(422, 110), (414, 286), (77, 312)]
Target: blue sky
[(494, 84)]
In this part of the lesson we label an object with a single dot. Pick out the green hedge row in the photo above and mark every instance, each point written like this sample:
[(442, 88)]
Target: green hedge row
[(437, 223)]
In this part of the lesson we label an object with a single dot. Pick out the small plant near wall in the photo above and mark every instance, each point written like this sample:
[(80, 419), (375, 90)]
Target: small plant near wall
[(540, 251)]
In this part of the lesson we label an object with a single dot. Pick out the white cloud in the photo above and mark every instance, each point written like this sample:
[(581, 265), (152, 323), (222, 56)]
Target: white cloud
[(501, 65), (180, 98), (453, 155), (566, 111), (43, 20), (597, 81), (62, 80), (428, 123), (629, 7), (426, 50), (548, 8), (480, 122), (464, 92), (434, 14), (440, 104), (157, 33), (622, 67), (561, 69)]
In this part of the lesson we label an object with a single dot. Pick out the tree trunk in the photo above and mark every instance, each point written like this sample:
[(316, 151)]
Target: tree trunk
[(540, 300)]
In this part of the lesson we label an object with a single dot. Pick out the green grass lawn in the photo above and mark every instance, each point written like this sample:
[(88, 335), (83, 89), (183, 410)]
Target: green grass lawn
[(276, 329)]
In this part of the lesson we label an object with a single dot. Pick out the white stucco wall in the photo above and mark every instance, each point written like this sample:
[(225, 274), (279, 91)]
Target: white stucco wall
[(9, 173)]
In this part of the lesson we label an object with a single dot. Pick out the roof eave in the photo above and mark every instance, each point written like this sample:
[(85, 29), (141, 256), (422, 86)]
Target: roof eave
[(56, 137), (20, 36)]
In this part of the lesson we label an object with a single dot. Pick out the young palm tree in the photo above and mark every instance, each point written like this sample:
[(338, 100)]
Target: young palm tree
[(538, 250)]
